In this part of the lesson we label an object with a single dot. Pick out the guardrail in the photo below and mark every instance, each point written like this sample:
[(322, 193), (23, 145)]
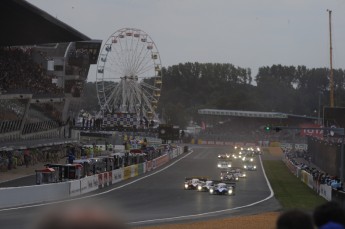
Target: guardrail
[(19, 196)]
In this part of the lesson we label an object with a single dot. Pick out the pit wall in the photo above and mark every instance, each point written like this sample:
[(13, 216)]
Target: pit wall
[(38, 194)]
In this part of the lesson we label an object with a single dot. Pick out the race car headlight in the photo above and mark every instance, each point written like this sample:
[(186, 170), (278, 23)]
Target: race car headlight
[(219, 165), (230, 191), (211, 190), (199, 187), (186, 186), (245, 166), (251, 159)]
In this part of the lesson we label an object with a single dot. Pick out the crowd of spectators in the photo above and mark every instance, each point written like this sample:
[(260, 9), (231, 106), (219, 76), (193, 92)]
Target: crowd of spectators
[(29, 157), (77, 57), (50, 111), (19, 73), (302, 160), (74, 87)]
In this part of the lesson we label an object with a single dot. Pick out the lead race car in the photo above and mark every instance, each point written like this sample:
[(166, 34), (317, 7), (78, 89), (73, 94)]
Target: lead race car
[(223, 188), (192, 183)]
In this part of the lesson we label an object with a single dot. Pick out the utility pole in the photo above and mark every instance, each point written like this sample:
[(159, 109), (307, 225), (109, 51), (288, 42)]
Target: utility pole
[(331, 80)]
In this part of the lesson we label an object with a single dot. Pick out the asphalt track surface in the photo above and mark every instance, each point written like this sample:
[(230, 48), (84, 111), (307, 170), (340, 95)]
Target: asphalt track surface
[(158, 197)]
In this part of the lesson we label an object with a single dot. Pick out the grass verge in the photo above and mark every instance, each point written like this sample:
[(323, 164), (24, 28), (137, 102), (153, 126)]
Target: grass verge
[(288, 189)]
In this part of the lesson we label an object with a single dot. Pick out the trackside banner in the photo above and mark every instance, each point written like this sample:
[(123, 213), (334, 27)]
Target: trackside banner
[(88, 184), (311, 132), (326, 192), (117, 175)]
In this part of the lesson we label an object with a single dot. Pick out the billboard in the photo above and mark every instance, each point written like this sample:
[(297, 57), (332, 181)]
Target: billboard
[(334, 116), (313, 131)]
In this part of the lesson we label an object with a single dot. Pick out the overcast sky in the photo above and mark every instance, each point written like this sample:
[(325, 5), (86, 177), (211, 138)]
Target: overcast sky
[(246, 33)]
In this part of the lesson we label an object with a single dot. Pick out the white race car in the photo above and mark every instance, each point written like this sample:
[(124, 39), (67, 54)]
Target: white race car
[(224, 164), (249, 166), (238, 172), (192, 183), (205, 186), (247, 158), (228, 176), (223, 189)]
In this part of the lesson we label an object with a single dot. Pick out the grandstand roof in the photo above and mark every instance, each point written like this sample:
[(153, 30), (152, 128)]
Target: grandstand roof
[(237, 113), (22, 23)]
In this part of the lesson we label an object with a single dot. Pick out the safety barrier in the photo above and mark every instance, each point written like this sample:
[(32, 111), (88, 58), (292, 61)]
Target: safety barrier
[(17, 196), (324, 190), (35, 194)]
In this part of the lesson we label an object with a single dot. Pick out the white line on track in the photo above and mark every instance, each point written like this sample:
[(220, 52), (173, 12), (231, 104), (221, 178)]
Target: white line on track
[(213, 212), (161, 219)]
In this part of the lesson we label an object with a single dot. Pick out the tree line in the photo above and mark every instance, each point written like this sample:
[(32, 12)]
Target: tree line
[(188, 87)]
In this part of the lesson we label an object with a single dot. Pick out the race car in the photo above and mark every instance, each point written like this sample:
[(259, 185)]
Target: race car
[(205, 186), (223, 188), (191, 183), (249, 166), (224, 156), (247, 158), (223, 164), (228, 176), (238, 172)]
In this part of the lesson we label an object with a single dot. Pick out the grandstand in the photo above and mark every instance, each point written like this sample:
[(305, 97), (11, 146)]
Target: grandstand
[(248, 126), (43, 67)]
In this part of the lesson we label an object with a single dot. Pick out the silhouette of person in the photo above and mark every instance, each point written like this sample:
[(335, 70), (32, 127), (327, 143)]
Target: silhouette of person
[(294, 219), (329, 213)]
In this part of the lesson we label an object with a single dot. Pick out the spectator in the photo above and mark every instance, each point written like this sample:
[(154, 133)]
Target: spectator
[(332, 225), (27, 158), (294, 219), (330, 213)]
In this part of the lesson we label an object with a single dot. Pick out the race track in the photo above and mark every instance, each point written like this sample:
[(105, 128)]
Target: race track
[(158, 197)]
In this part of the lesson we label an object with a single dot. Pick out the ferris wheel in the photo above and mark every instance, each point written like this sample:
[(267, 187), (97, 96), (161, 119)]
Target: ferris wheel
[(129, 76)]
